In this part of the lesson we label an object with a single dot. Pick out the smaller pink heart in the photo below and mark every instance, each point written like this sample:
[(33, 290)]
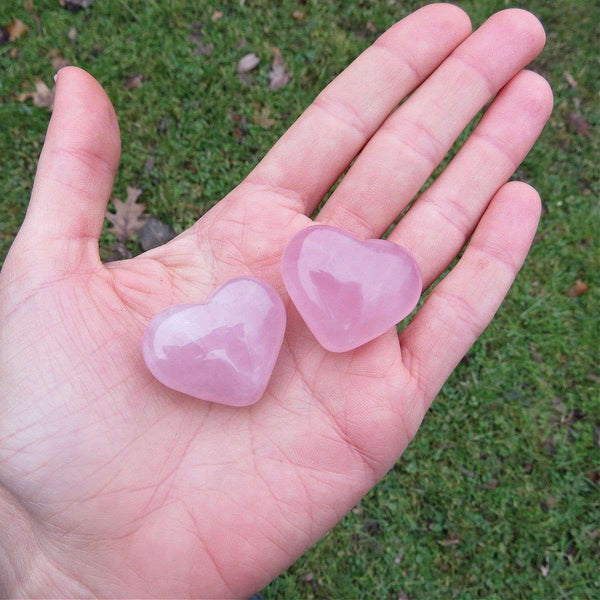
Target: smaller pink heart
[(349, 291), (223, 351)]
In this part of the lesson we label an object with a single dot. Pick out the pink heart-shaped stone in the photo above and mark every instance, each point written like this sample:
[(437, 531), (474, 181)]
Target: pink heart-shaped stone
[(349, 291), (223, 351)]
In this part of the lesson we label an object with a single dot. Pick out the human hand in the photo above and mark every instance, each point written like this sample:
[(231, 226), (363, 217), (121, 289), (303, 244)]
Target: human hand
[(113, 485)]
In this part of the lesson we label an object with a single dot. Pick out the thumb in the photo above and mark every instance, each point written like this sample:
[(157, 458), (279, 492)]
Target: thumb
[(74, 180)]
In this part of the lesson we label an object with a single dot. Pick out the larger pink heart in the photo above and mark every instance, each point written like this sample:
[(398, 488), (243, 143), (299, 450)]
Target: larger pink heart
[(223, 351), (348, 291)]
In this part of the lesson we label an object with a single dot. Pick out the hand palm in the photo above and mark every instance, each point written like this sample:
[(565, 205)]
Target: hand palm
[(154, 493)]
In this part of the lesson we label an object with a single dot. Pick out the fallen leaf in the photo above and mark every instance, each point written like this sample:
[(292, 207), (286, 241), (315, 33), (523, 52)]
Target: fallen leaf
[(492, 484), (279, 75), (372, 526), (402, 596), (551, 502), (535, 355), (467, 472), (197, 38), (14, 52), (545, 568), (262, 119), (246, 78), (163, 126), (154, 233), (43, 96), (570, 79), (128, 217), (58, 61), (134, 82), (217, 15), (149, 165), (579, 124), (239, 133), (247, 63), (72, 34), (450, 541), (308, 577), (75, 4), (29, 6), (578, 288), (549, 447), (371, 27), (298, 15), (16, 29)]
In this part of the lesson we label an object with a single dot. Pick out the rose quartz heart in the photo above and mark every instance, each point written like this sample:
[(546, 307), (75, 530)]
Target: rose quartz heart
[(348, 291), (223, 351)]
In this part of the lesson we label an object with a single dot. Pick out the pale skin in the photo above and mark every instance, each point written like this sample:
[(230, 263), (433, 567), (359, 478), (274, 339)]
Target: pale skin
[(111, 484)]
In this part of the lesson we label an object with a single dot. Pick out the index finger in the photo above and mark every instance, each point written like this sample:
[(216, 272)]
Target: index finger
[(314, 152)]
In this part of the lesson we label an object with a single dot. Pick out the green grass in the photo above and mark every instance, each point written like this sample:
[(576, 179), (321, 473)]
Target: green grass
[(499, 483)]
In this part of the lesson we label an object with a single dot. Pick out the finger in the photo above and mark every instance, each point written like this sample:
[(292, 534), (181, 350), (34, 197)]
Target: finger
[(74, 177), (314, 152), (462, 305), (414, 139), (442, 219)]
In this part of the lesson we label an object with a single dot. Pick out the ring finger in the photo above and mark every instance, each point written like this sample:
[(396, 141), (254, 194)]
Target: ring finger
[(399, 158)]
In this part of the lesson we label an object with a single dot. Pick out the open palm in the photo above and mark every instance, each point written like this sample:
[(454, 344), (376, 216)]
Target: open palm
[(113, 485)]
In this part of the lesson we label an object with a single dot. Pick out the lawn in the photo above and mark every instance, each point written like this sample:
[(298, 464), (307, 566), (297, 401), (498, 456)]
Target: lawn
[(498, 496)]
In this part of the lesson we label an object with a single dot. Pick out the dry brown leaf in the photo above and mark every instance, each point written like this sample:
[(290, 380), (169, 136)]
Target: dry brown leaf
[(579, 124), (58, 61), (570, 79), (239, 132), (217, 15), (262, 119), (72, 34), (134, 82), (298, 15), (578, 288), (247, 63), (43, 96), (154, 233), (29, 6), (371, 27), (128, 217), (279, 75), (197, 38), (75, 4), (545, 567), (15, 30), (450, 541)]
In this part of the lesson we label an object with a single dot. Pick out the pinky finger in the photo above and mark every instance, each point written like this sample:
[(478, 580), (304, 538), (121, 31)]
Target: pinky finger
[(460, 308)]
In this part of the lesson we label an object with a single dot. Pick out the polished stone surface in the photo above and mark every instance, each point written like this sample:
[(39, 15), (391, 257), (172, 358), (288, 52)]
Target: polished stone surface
[(223, 351), (349, 291)]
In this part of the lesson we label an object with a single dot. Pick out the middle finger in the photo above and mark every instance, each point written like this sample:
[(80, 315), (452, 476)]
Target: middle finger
[(399, 158)]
